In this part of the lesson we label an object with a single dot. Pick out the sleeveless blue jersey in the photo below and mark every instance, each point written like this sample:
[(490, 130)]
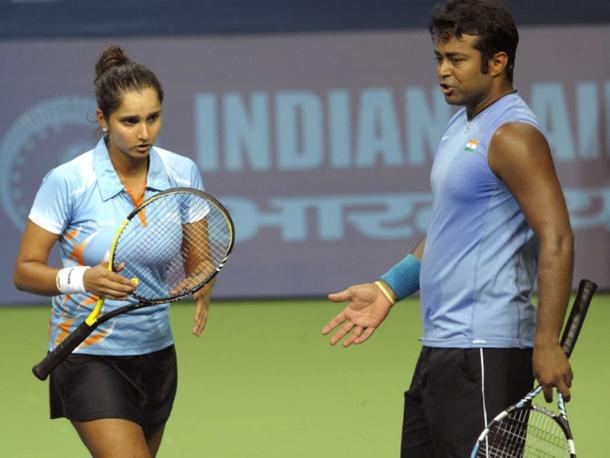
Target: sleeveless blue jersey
[(480, 258)]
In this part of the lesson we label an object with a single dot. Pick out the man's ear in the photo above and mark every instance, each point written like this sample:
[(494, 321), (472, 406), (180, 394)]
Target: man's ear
[(498, 64)]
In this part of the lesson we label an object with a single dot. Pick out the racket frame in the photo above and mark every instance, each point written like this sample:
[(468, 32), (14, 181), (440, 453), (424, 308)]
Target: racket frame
[(92, 318)]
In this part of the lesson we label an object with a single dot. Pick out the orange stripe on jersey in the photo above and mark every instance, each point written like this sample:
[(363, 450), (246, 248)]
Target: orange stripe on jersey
[(90, 300), (78, 252), (72, 234), (138, 201), (64, 330), (96, 337)]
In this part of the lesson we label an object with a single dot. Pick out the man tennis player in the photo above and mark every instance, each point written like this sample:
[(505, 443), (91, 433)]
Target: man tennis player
[(499, 219)]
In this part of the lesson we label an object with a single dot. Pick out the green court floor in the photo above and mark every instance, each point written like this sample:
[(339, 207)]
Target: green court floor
[(262, 382)]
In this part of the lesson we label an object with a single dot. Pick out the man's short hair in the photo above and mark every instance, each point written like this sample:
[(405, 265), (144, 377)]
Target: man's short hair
[(488, 19)]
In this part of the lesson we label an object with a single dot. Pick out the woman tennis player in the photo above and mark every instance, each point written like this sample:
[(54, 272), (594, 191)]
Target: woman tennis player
[(118, 387)]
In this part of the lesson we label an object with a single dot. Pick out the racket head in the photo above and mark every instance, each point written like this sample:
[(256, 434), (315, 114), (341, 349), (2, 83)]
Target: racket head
[(526, 430), (173, 244)]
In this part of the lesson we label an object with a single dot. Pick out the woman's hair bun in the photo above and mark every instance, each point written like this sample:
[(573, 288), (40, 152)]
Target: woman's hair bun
[(112, 56)]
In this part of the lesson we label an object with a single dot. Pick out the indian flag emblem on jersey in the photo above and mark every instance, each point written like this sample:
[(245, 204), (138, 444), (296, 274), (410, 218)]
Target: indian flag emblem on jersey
[(471, 145)]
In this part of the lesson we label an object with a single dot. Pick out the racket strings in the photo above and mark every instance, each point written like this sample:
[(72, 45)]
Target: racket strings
[(525, 433), (506, 438), (182, 244)]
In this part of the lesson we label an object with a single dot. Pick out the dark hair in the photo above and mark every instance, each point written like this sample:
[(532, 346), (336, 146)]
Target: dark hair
[(115, 73), (488, 19)]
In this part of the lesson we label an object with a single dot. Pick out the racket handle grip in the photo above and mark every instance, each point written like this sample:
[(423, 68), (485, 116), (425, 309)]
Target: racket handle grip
[(59, 353), (586, 290)]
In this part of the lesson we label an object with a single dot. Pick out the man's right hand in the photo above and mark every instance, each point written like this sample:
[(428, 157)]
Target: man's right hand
[(366, 309)]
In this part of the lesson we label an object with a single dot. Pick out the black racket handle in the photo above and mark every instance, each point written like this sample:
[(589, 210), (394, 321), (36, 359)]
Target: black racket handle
[(59, 353), (586, 289)]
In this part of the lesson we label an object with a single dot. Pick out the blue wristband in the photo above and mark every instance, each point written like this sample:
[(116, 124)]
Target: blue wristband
[(403, 278)]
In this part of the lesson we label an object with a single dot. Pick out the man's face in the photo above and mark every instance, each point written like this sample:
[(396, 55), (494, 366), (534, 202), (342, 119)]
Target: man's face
[(458, 67)]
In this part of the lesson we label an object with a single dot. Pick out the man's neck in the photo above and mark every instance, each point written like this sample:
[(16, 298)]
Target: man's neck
[(493, 97)]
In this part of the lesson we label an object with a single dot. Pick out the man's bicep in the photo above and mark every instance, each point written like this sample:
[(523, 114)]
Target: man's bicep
[(520, 156)]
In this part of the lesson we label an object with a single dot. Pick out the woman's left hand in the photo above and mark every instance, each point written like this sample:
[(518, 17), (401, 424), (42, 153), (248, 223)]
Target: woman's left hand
[(202, 304)]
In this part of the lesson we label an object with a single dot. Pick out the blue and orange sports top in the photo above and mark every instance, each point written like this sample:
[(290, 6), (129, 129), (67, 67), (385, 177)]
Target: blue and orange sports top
[(84, 202)]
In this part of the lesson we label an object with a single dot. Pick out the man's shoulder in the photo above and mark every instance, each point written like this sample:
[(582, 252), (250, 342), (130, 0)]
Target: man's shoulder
[(518, 129), (512, 111), (514, 107)]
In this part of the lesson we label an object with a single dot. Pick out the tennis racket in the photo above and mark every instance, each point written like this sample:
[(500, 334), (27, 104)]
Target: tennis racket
[(527, 430), (171, 245)]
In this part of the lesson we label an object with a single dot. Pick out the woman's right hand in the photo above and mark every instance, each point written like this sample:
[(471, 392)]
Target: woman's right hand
[(105, 283)]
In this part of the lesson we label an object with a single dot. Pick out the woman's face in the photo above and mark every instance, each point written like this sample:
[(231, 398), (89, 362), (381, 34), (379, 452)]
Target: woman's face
[(134, 126)]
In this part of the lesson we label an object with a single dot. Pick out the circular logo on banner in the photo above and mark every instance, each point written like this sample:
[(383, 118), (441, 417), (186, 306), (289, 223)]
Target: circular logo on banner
[(52, 132)]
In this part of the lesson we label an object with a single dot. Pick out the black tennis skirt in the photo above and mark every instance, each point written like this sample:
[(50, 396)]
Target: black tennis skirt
[(139, 388)]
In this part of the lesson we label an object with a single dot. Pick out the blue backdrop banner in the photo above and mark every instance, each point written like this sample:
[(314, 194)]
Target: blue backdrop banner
[(319, 144)]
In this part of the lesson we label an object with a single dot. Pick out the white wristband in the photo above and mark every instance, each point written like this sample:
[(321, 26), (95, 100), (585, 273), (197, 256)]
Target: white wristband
[(69, 280)]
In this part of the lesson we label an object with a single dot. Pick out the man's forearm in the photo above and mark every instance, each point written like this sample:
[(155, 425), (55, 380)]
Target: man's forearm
[(418, 251), (554, 285)]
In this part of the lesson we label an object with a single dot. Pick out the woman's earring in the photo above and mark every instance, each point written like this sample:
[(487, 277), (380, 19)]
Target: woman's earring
[(105, 129)]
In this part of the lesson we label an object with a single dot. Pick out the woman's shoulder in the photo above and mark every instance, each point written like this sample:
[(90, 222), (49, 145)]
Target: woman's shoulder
[(176, 162), (173, 158), (181, 170), (76, 170)]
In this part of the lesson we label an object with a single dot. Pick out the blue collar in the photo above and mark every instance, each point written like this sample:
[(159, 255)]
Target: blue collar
[(108, 181)]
